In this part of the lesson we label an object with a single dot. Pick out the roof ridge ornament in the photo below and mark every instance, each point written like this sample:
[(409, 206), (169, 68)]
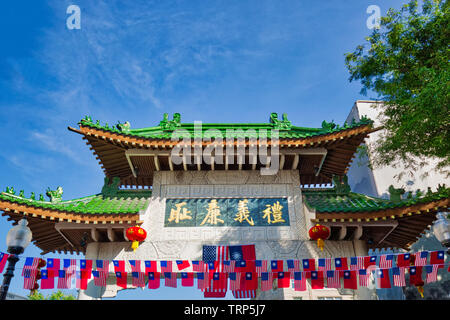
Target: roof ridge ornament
[(284, 124), (395, 194), (167, 124), (341, 185), (55, 195), (123, 127), (111, 186)]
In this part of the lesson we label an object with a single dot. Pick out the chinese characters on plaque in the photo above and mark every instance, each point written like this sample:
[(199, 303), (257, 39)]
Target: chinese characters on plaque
[(245, 212)]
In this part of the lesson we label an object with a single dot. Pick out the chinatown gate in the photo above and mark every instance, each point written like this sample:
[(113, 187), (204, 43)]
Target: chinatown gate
[(190, 185)]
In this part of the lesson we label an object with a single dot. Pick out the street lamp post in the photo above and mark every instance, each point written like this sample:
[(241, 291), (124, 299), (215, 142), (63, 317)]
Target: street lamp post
[(17, 239), (441, 230)]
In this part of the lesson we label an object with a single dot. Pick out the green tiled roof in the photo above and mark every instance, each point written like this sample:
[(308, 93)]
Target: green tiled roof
[(166, 127), (329, 200), (123, 202)]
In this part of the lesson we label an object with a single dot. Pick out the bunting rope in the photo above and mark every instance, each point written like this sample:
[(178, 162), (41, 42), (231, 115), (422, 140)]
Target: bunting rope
[(239, 275)]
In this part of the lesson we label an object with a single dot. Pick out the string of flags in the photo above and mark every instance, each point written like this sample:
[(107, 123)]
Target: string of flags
[(235, 268)]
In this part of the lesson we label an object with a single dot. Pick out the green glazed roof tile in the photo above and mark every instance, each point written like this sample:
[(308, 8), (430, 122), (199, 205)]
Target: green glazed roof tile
[(166, 127), (328, 200), (125, 202)]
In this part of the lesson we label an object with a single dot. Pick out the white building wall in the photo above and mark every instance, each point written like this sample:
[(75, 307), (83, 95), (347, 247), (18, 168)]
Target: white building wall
[(376, 181)]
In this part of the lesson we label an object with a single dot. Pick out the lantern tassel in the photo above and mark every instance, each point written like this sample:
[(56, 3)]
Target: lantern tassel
[(135, 245), (420, 289), (320, 244)]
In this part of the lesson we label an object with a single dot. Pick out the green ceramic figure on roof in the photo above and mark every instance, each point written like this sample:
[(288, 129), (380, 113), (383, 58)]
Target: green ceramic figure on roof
[(55, 195), (341, 184), (123, 127), (395, 194), (280, 124), (111, 186)]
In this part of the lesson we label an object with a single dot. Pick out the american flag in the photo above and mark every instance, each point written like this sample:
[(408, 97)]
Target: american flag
[(228, 265), (170, 279), (138, 279), (261, 266), (300, 281), (235, 281), (244, 294), (166, 266), (398, 276), (421, 258), (199, 266), (333, 279), (69, 266), (357, 263), (293, 265), (324, 264), (431, 272), (216, 253), (266, 281), (99, 278), (202, 280), (364, 277), (386, 261), (63, 280), (135, 265), (29, 277), (3, 259), (30, 264), (102, 272)]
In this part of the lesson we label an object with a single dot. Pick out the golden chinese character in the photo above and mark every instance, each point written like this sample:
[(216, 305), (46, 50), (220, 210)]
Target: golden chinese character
[(243, 213), (213, 213), (273, 211), (179, 213)]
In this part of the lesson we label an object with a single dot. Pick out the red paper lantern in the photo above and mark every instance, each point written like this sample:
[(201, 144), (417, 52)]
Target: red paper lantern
[(319, 233), (136, 234)]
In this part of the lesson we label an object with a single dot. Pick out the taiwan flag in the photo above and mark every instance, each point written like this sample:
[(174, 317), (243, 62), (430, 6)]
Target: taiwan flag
[(47, 280), (383, 280), (341, 263), (276, 265), (151, 266), (317, 279), (82, 279), (245, 252), (85, 265), (243, 266), (119, 265), (3, 259), (153, 280), (249, 281), (53, 264), (183, 264), (370, 261), (403, 260), (437, 257), (350, 279), (415, 275), (121, 279), (218, 286), (187, 279), (309, 264), (284, 279)]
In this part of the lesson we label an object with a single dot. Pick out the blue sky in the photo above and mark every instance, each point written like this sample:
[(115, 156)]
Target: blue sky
[(214, 61)]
